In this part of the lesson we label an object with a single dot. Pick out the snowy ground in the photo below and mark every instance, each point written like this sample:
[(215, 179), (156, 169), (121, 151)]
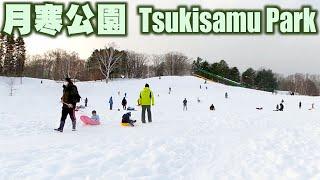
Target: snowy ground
[(234, 142)]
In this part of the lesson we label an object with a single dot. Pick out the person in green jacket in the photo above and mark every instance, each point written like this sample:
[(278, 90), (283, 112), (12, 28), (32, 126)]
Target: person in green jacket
[(146, 99)]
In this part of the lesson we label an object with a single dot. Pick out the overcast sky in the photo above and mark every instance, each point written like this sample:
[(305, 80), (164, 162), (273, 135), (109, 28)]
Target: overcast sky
[(283, 54)]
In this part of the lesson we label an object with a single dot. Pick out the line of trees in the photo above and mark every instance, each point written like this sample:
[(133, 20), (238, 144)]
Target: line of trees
[(262, 79), (55, 65), (300, 83), (110, 62), (12, 55), (106, 63), (218, 68)]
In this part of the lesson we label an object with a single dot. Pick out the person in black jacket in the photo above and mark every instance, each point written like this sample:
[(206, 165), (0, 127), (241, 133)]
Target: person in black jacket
[(126, 119), (281, 108), (212, 108), (124, 103), (69, 100), (185, 105), (86, 102)]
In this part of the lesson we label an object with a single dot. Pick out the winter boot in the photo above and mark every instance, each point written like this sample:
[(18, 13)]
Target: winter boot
[(73, 125), (59, 130)]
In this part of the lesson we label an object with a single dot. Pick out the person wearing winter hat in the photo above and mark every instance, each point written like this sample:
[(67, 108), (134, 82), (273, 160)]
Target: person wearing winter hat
[(69, 100)]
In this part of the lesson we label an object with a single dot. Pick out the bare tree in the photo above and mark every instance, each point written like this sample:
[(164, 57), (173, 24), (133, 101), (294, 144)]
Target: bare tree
[(299, 83), (158, 65), (73, 65), (136, 65), (11, 84), (177, 64), (108, 59)]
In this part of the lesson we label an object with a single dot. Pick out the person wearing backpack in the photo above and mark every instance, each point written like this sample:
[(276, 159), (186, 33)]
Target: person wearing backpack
[(69, 100), (124, 103), (146, 99)]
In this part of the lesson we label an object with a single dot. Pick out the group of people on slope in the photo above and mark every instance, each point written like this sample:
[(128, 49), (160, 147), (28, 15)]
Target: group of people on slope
[(71, 97), (124, 103)]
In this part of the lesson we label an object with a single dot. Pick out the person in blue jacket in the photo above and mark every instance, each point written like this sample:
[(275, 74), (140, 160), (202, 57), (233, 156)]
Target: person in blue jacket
[(111, 103), (95, 116)]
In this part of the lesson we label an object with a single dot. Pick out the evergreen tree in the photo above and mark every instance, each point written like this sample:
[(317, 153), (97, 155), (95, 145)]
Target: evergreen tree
[(205, 66), (221, 68), (2, 51), (248, 77), (265, 80), (197, 64), (234, 74), (9, 59), (214, 68), (20, 54)]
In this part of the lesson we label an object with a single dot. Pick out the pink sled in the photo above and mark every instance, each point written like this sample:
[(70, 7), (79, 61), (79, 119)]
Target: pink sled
[(88, 121)]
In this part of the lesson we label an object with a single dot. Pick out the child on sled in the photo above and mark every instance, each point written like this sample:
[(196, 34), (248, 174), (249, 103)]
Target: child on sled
[(95, 116), (126, 119)]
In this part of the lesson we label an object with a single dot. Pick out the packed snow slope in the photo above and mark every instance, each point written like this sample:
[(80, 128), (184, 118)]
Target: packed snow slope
[(234, 142)]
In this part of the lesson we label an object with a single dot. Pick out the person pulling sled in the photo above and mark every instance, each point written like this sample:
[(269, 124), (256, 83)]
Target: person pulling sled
[(69, 100)]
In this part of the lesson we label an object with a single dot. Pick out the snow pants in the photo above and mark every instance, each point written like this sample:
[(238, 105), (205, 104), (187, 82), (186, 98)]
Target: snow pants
[(64, 114), (185, 108), (143, 116)]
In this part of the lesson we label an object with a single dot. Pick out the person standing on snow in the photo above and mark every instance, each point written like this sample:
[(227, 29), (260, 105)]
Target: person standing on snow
[(86, 102), (226, 95), (300, 105), (124, 103), (185, 105), (111, 103), (69, 100), (146, 99), (312, 106)]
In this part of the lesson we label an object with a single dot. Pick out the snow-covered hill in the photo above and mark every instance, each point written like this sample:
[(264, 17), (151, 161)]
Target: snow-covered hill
[(234, 142)]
